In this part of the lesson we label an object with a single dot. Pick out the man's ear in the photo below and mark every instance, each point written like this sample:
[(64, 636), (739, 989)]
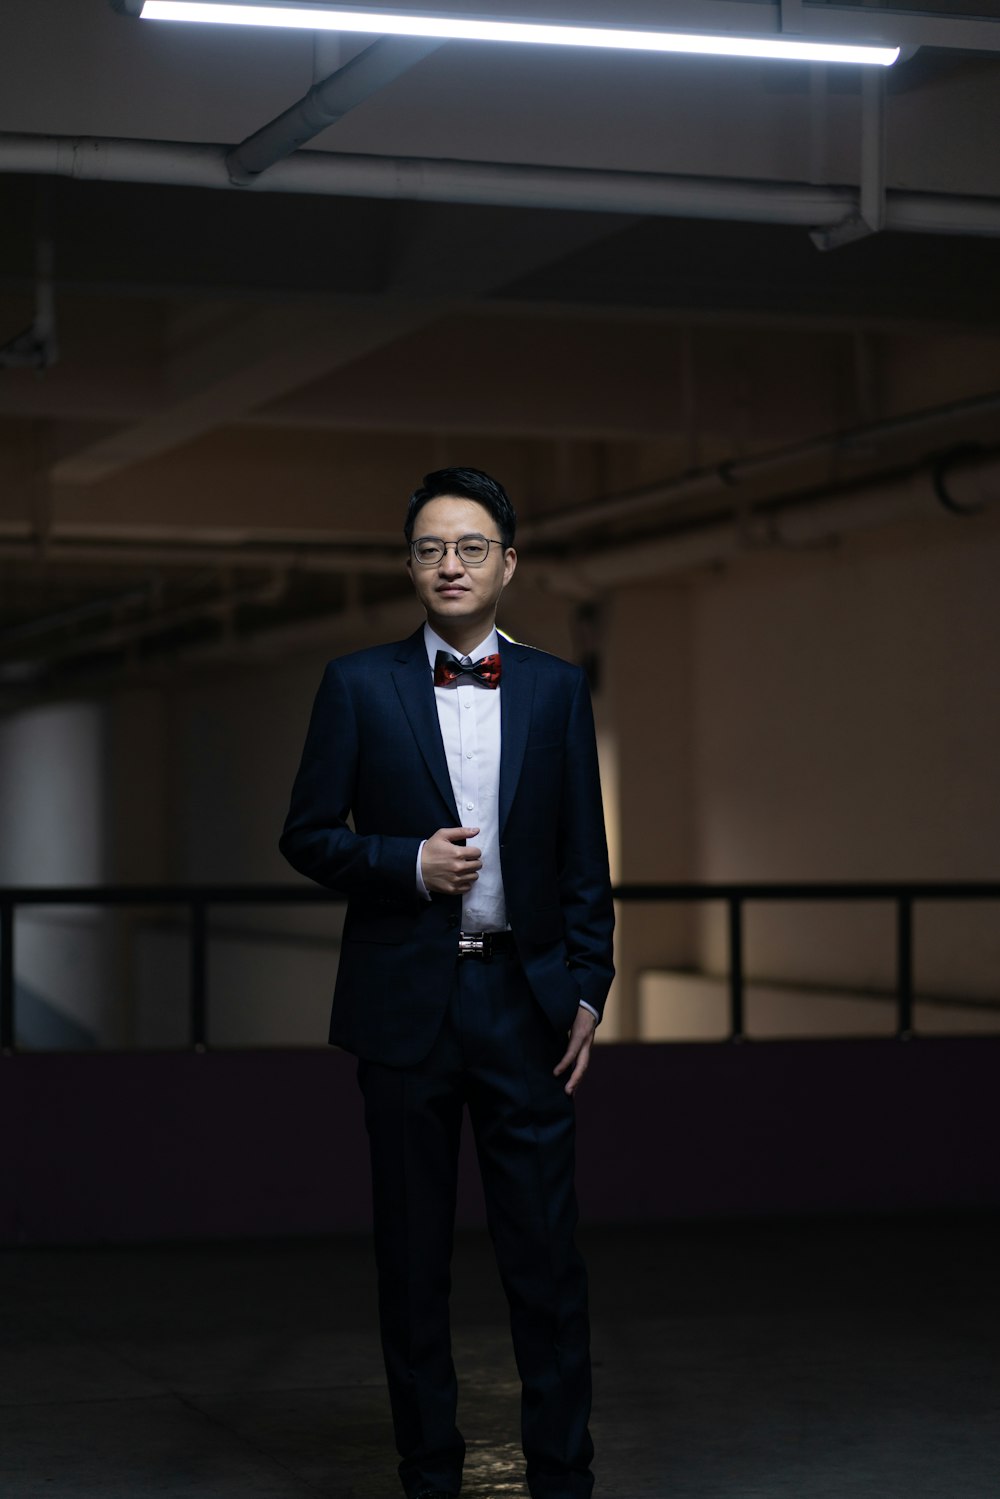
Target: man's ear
[(510, 562)]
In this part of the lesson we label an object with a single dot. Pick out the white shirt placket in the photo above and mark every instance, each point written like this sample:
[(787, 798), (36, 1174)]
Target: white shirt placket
[(468, 739)]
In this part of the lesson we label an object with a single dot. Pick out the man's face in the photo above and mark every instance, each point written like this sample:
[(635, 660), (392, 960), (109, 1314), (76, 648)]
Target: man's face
[(451, 591)]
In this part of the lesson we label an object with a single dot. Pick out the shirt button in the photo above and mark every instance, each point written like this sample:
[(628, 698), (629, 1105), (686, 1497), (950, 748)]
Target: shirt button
[(468, 754), (466, 702), (470, 806)]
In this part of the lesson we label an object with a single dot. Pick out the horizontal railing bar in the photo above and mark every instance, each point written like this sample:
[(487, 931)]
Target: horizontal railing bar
[(164, 895), (817, 890), (123, 895), (873, 994), (903, 894)]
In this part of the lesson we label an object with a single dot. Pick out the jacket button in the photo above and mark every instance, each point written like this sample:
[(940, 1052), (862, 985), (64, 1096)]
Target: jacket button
[(452, 922)]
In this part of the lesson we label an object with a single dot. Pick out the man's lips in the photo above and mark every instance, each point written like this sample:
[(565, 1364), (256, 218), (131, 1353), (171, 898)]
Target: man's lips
[(451, 588)]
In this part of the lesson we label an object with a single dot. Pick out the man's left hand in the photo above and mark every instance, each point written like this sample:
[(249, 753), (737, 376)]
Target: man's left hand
[(577, 1054)]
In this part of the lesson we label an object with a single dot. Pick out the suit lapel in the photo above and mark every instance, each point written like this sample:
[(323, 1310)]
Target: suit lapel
[(412, 677), (517, 689)]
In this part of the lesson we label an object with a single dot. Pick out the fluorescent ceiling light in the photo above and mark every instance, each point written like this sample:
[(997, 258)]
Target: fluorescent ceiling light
[(475, 29)]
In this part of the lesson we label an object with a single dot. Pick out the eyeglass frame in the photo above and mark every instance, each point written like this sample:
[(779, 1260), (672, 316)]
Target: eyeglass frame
[(470, 536)]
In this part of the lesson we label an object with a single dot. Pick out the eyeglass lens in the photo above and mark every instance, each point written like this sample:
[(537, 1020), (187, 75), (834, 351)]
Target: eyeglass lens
[(429, 550)]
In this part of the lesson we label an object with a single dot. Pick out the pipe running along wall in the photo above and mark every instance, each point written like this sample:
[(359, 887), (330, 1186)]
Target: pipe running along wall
[(170, 163)]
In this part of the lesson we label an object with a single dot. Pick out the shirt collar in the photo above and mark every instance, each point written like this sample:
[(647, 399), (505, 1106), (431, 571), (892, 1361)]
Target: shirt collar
[(432, 640)]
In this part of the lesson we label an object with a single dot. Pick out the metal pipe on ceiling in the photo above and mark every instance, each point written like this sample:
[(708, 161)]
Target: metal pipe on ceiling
[(178, 164), (970, 484), (326, 102), (723, 478), (304, 558), (964, 486), (126, 632), (963, 483)]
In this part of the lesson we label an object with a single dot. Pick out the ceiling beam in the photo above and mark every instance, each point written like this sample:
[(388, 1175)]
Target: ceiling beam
[(872, 23), (258, 359)]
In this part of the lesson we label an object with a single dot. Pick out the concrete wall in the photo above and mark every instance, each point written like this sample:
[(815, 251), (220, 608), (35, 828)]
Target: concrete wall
[(847, 724), (186, 781), (648, 698), (830, 714), (83, 801), (52, 807), (53, 816)]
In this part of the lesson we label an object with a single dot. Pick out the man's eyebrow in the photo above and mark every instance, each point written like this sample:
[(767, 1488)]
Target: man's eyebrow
[(465, 536)]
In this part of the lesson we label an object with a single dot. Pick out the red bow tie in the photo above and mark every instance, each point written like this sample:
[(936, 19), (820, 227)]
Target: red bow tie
[(448, 670)]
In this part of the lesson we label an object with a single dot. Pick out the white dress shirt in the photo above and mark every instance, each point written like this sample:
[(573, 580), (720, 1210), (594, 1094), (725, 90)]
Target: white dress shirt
[(469, 715)]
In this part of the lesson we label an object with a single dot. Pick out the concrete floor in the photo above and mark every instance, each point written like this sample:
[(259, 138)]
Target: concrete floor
[(788, 1360)]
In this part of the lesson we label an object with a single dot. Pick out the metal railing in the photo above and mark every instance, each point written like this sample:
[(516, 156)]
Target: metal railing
[(197, 898), (903, 895)]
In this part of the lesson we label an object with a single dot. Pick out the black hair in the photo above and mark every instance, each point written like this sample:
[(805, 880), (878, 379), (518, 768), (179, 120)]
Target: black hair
[(467, 484)]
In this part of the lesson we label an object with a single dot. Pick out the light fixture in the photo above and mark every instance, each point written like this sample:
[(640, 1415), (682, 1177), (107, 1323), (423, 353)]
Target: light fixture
[(477, 29)]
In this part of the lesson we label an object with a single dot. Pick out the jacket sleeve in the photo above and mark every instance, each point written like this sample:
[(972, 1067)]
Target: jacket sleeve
[(317, 839), (584, 877)]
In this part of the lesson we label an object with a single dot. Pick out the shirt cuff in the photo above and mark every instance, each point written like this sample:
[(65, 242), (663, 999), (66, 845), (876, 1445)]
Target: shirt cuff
[(421, 887), (584, 1006)]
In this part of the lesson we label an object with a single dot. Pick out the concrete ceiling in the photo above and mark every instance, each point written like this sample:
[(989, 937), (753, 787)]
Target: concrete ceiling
[(214, 437)]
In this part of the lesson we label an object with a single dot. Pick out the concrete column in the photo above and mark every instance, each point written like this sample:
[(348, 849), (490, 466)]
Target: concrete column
[(646, 728)]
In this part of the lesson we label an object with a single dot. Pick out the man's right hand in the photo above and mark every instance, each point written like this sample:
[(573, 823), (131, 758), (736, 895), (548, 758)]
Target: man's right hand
[(447, 863)]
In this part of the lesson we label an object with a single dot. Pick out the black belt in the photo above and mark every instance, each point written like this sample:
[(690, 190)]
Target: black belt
[(485, 945)]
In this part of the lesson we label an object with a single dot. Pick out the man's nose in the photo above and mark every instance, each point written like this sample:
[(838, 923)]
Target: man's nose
[(451, 564)]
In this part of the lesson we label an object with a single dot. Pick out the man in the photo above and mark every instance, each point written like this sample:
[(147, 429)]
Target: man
[(475, 962)]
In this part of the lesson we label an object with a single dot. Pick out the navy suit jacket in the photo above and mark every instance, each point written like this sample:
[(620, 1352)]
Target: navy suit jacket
[(374, 754)]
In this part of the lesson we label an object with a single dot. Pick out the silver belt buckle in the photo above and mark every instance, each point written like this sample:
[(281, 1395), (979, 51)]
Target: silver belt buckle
[(471, 947)]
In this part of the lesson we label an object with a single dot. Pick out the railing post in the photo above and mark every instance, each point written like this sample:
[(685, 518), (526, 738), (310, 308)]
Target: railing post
[(904, 967), (6, 975), (735, 905), (198, 974)]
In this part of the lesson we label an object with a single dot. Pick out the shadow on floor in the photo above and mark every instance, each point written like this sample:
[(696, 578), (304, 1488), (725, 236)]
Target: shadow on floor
[(779, 1360)]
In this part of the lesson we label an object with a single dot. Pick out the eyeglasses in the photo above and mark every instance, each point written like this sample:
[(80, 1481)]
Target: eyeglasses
[(472, 550)]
